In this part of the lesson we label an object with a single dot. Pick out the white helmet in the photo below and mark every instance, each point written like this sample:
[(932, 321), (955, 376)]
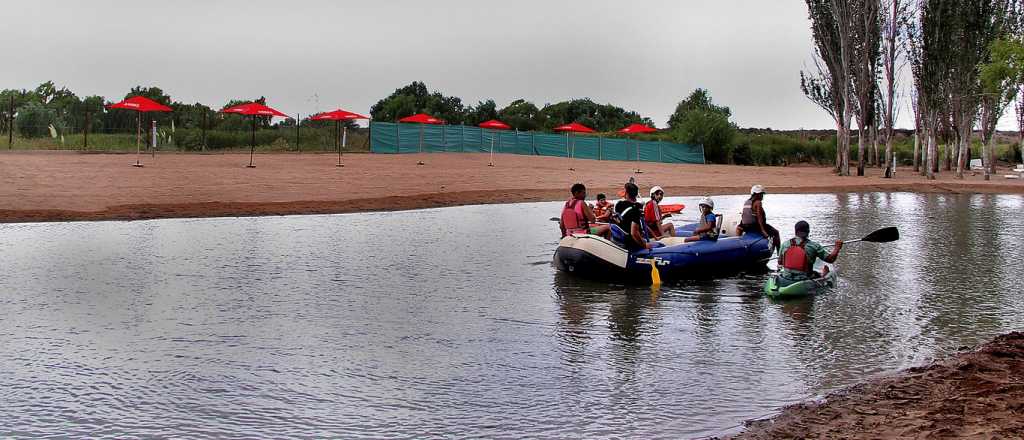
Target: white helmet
[(655, 189), (707, 201), (757, 189)]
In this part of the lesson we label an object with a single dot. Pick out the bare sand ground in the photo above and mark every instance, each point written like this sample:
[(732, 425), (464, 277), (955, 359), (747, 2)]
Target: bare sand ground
[(55, 186), (975, 394)]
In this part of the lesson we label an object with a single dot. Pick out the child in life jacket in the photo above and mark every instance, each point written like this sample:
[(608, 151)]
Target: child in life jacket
[(799, 254), (707, 228), (602, 208), (578, 218)]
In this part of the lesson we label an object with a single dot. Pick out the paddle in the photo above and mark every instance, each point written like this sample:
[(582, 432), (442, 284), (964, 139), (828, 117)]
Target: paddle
[(655, 275), (884, 235)]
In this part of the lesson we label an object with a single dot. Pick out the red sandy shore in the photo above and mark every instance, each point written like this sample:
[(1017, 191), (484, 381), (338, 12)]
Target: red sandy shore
[(56, 186), (976, 394)]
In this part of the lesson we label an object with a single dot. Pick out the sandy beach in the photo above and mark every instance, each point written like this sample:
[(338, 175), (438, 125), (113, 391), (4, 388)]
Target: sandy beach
[(59, 186), (978, 393)]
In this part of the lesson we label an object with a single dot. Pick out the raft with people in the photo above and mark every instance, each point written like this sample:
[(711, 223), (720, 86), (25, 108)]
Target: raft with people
[(633, 242), (637, 245), (593, 256)]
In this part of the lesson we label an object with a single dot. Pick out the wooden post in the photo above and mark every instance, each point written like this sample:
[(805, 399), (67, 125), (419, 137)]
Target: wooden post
[(369, 135), (85, 132), (297, 119), (10, 125), (203, 146)]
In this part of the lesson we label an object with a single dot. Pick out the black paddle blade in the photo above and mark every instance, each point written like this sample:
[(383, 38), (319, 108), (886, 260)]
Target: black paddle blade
[(883, 235)]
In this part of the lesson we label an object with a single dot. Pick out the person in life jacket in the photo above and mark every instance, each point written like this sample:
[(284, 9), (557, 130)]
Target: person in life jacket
[(602, 208), (577, 217), (707, 227), (653, 216), (631, 219), (798, 255), (754, 219)]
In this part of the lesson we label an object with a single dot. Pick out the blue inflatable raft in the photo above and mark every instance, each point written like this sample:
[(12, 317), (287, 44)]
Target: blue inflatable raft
[(594, 257)]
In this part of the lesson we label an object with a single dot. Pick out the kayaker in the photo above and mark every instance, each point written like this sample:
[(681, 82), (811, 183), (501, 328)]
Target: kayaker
[(707, 228), (799, 253), (631, 220), (577, 217), (602, 208), (653, 216), (753, 217)]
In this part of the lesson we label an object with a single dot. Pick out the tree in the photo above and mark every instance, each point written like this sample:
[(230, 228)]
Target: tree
[(697, 120), (1001, 79), (930, 52), (415, 98), (484, 111), (600, 117), (865, 26), (522, 115), (893, 20), (34, 119), (977, 24), (829, 88)]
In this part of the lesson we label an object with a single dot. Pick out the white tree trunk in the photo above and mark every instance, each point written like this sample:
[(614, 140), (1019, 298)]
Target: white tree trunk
[(932, 155), (917, 151)]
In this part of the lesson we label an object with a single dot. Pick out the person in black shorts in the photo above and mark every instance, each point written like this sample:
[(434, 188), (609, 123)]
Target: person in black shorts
[(631, 219)]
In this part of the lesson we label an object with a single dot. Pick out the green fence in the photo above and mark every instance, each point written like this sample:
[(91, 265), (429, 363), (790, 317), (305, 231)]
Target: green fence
[(386, 137)]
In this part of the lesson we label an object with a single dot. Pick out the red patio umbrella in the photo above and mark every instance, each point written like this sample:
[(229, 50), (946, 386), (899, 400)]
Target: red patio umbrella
[(574, 127), (140, 104), (337, 116), (421, 118), (253, 109), (638, 128), (494, 124)]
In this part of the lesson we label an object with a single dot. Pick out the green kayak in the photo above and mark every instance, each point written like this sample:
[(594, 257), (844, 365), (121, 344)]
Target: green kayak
[(773, 289)]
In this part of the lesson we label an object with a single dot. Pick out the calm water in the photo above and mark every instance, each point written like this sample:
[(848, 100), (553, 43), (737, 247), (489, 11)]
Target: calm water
[(452, 323)]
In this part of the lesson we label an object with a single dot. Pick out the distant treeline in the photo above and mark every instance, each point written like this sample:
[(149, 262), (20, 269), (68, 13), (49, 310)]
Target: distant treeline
[(696, 120)]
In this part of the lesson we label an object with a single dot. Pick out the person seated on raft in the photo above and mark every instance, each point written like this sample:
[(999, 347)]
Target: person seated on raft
[(754, 220), (707, 228), (631, 220), (653, 216), (799, 253), (577, 217), (602, 208)]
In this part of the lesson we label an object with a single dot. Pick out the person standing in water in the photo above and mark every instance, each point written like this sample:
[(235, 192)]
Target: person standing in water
[(753, 219), (798, 255)]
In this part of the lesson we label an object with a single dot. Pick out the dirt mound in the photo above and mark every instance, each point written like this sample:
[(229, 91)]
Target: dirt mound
[(974, 394)]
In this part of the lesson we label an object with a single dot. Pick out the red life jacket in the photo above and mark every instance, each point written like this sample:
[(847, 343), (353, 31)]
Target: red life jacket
[(795, 258), (573, 220)]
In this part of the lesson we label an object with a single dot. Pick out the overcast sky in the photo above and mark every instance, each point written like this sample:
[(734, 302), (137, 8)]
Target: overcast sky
[(310, 55)]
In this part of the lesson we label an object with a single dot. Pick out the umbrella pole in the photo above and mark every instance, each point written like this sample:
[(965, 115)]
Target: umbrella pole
[(421, 144), (637, 143), (341, 145), (152, 137), (252, 143), (491, 162), (569, 150), (138, 147)]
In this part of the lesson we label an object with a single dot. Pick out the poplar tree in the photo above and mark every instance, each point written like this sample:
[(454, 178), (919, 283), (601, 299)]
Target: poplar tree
[(829, 87)]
